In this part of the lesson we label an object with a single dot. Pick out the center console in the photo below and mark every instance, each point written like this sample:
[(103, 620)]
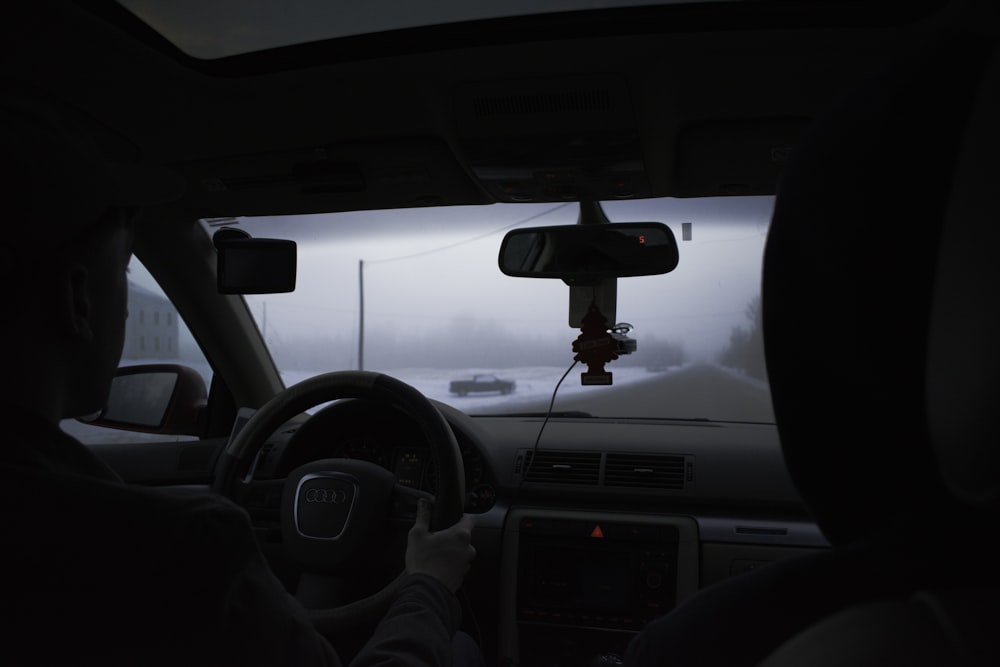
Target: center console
[(578, 585)]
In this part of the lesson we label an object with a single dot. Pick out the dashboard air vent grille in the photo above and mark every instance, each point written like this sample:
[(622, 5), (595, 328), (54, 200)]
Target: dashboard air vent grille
[(648, 471), (550, 467)]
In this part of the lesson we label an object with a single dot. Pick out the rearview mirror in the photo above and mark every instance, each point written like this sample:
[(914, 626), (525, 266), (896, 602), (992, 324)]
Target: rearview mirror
[(586, 254)]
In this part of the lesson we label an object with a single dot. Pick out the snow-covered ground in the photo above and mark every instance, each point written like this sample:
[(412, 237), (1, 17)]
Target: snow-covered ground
[(534, 385)]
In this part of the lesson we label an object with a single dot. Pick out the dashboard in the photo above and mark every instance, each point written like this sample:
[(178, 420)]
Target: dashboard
[(576, 548), (585, 546)]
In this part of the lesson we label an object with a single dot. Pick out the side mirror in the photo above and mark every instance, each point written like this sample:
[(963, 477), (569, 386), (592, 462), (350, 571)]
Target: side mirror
[(158, 398), (587, 254)]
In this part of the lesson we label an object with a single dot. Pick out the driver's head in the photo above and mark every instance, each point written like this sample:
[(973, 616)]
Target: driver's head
[(64, 251)]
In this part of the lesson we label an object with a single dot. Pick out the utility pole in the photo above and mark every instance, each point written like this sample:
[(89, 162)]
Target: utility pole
[(361, 315)]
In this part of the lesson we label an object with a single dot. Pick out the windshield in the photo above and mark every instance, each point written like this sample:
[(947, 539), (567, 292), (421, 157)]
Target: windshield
[(417, 293), (230, 27)]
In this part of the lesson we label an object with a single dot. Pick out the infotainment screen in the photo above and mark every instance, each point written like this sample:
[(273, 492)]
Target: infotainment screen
[(595, 574), (588, 577)]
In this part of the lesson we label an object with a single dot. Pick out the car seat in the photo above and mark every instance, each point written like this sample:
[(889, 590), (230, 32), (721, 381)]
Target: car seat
[(869, 422), (940, 388)]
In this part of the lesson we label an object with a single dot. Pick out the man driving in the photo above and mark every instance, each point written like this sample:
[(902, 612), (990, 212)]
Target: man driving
[(104, 572)]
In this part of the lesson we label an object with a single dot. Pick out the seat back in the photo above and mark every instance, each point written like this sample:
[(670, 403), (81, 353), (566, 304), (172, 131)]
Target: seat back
[(849, 288), (956, 367)]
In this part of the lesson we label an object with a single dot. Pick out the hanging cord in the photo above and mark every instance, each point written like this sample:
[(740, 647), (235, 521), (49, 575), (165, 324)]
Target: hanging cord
[(548, 414), (527, 468)]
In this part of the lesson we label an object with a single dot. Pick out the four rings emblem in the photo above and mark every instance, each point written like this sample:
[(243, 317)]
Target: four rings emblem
[(323, 504), (334, 496)]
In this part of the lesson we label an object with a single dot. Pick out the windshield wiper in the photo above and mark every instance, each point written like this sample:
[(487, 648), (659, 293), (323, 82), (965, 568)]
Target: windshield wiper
[(565, 413), (579, 414)]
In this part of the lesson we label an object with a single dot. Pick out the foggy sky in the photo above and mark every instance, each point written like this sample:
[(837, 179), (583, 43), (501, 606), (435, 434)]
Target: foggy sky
[(425, 278), (434, 294)]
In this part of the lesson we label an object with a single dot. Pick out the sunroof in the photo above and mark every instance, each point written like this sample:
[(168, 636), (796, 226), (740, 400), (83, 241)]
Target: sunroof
[(221, 28)]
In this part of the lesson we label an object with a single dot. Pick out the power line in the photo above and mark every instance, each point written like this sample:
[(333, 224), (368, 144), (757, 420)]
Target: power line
[(469, 240), (361, 271)]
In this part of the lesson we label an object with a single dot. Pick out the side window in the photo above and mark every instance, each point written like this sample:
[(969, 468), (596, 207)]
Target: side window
[(162, 338)]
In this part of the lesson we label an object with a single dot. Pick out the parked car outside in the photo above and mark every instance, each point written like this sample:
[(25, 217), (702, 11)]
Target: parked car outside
[(481, 383)]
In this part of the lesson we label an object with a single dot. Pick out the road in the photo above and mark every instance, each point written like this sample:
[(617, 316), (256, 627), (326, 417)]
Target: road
[(699, 390)]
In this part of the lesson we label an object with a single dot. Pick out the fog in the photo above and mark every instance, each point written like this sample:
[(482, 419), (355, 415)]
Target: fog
[(434, 297), (435, 300)]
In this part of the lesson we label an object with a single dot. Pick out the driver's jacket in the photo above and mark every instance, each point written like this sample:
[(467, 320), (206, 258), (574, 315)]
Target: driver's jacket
[(102, 572)]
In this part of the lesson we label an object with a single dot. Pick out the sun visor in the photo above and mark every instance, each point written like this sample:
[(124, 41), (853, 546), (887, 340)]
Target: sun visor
[(337, 177), (742, 157), (552, 139)]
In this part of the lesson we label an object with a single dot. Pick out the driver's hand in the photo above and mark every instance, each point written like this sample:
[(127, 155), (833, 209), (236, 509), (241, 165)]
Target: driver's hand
[(445, 555)]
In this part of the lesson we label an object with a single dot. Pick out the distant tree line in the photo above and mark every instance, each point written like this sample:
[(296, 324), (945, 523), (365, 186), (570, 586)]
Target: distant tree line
[(746, 344)]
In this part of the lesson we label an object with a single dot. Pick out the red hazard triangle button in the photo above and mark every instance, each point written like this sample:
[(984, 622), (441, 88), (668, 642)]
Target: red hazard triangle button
[(597, 532)]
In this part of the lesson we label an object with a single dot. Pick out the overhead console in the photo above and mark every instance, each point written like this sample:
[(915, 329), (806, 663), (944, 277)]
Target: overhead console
[(360, 175), (576, 585), (552, 139)]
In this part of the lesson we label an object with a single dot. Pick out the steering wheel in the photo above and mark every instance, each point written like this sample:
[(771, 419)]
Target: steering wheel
[(330, 506)]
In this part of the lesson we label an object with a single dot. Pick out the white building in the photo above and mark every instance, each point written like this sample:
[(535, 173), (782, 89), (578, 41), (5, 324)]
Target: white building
[(151, 328)]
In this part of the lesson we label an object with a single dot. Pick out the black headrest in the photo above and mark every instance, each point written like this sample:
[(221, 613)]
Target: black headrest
[(963, 359), (848, 286)]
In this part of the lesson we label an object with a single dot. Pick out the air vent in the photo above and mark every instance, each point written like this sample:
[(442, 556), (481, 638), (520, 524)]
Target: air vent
[(647, 471), (564, 102), (548, 467)]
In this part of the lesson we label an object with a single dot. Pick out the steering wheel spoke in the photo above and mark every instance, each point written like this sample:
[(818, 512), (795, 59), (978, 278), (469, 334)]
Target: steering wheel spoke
[(403, 508), (262, 501), (260, 495)]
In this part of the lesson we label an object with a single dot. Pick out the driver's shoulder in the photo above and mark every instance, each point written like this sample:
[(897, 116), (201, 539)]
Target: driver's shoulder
[(56, 505)]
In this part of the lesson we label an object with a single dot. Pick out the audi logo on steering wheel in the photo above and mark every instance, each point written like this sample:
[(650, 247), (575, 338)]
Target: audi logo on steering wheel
[(334, 496)]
